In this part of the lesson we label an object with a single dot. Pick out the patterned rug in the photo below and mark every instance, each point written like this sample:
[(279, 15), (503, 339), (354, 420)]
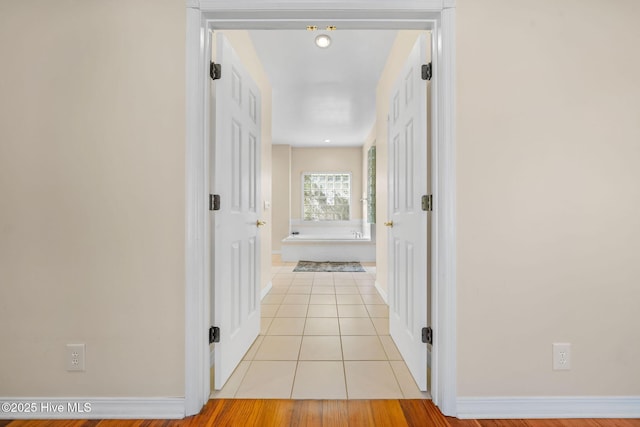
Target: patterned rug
[(329, 266)]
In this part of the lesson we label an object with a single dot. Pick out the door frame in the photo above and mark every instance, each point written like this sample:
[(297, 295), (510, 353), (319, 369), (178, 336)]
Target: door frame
[(202, 16)]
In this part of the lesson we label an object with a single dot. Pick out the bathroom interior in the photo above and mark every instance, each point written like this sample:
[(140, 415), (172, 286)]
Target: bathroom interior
[(298, 233), (325, 335)]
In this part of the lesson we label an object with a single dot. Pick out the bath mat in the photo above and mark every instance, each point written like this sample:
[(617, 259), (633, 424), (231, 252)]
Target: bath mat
[(329, 266)]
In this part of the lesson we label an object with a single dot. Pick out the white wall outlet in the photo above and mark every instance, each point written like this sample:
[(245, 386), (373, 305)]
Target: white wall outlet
[(561, 356), (75, 357)]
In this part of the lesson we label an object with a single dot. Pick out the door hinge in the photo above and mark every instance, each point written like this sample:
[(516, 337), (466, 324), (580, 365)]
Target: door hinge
[(214, 334), (214, 202), (427, 203), (427, 335), (426, 71), (215, 71)]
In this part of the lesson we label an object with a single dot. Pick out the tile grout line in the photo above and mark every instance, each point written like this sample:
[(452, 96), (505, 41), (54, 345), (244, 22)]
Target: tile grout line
[(338, 317), (235, 393), (344, 367), (295, 374)]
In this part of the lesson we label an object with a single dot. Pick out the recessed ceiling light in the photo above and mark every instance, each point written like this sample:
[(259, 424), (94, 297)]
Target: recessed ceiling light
[(327, 140), (323, 41)]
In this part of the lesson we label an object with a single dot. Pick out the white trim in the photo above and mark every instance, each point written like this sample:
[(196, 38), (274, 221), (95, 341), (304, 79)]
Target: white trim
[(196, 245), (320, 5), (549, 407), (396, 14), (382, 292), (99, 408), (444, 379), (265, 290)]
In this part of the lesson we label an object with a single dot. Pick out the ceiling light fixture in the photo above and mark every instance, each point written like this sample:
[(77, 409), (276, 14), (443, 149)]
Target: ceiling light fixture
[(327, 140), (323, 41)]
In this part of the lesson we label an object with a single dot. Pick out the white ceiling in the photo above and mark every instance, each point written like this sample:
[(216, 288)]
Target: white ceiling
[(321, 94)]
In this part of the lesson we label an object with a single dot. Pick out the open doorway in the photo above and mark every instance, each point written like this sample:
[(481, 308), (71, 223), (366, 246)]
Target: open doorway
[(386, 14), (325, 335)]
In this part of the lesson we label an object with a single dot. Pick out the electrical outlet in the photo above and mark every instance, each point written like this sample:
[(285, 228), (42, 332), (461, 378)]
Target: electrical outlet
[(561, 356), (75, 357)]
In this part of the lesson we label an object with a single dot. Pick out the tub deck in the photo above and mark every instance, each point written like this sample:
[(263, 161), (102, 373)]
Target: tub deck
[(329, 247)]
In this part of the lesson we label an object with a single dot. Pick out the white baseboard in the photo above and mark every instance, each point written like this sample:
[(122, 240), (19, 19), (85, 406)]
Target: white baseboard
[(92, 408), (548, 407), (382, 292), (265, 290)]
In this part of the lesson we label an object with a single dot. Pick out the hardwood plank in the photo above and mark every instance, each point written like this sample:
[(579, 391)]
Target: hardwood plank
[(433, 413), (252, 412), (118, 423), (456, 422), (324, 413), (360, 414), (618, 422), (220, 413), (307, 413), (212, 412), (335, 413), (52, 423), (388, 413), (503, 423), (583, 422), (159, 423), (274, 413), (420, 413)]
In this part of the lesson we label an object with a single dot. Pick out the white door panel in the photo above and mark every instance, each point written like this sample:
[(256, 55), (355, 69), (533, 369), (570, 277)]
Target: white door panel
[(235, 177), (408, 234)]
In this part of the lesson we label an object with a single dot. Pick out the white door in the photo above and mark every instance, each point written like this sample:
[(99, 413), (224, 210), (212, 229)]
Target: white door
[(236, 178), (407, 224)]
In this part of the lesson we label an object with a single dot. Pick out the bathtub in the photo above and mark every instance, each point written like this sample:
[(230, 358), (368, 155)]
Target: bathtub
[(327, 247)]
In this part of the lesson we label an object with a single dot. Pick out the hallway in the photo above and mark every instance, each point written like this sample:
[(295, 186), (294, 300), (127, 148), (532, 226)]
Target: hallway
[(323, 336)]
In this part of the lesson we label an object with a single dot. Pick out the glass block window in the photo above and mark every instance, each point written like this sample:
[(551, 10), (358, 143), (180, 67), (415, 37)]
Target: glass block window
[(326, 196), (371, 186)]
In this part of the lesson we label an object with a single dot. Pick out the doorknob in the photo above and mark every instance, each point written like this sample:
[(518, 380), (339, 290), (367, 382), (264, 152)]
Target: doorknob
[(260, 223), (389, 224)]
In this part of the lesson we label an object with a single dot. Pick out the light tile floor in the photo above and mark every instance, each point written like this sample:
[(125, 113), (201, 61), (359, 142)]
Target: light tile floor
[(323, 336)]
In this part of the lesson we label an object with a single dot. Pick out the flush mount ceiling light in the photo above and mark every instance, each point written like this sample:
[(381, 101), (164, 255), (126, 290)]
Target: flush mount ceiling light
[(323, 41), (327, 140)]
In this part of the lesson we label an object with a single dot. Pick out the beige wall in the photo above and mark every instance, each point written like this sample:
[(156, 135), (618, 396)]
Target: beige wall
[(92, 178), (548, 201), (281, 179), (396, 60), (243, 46), (336, 159)]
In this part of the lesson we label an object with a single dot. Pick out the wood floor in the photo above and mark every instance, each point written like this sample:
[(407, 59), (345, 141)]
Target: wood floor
[(323, 413)]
